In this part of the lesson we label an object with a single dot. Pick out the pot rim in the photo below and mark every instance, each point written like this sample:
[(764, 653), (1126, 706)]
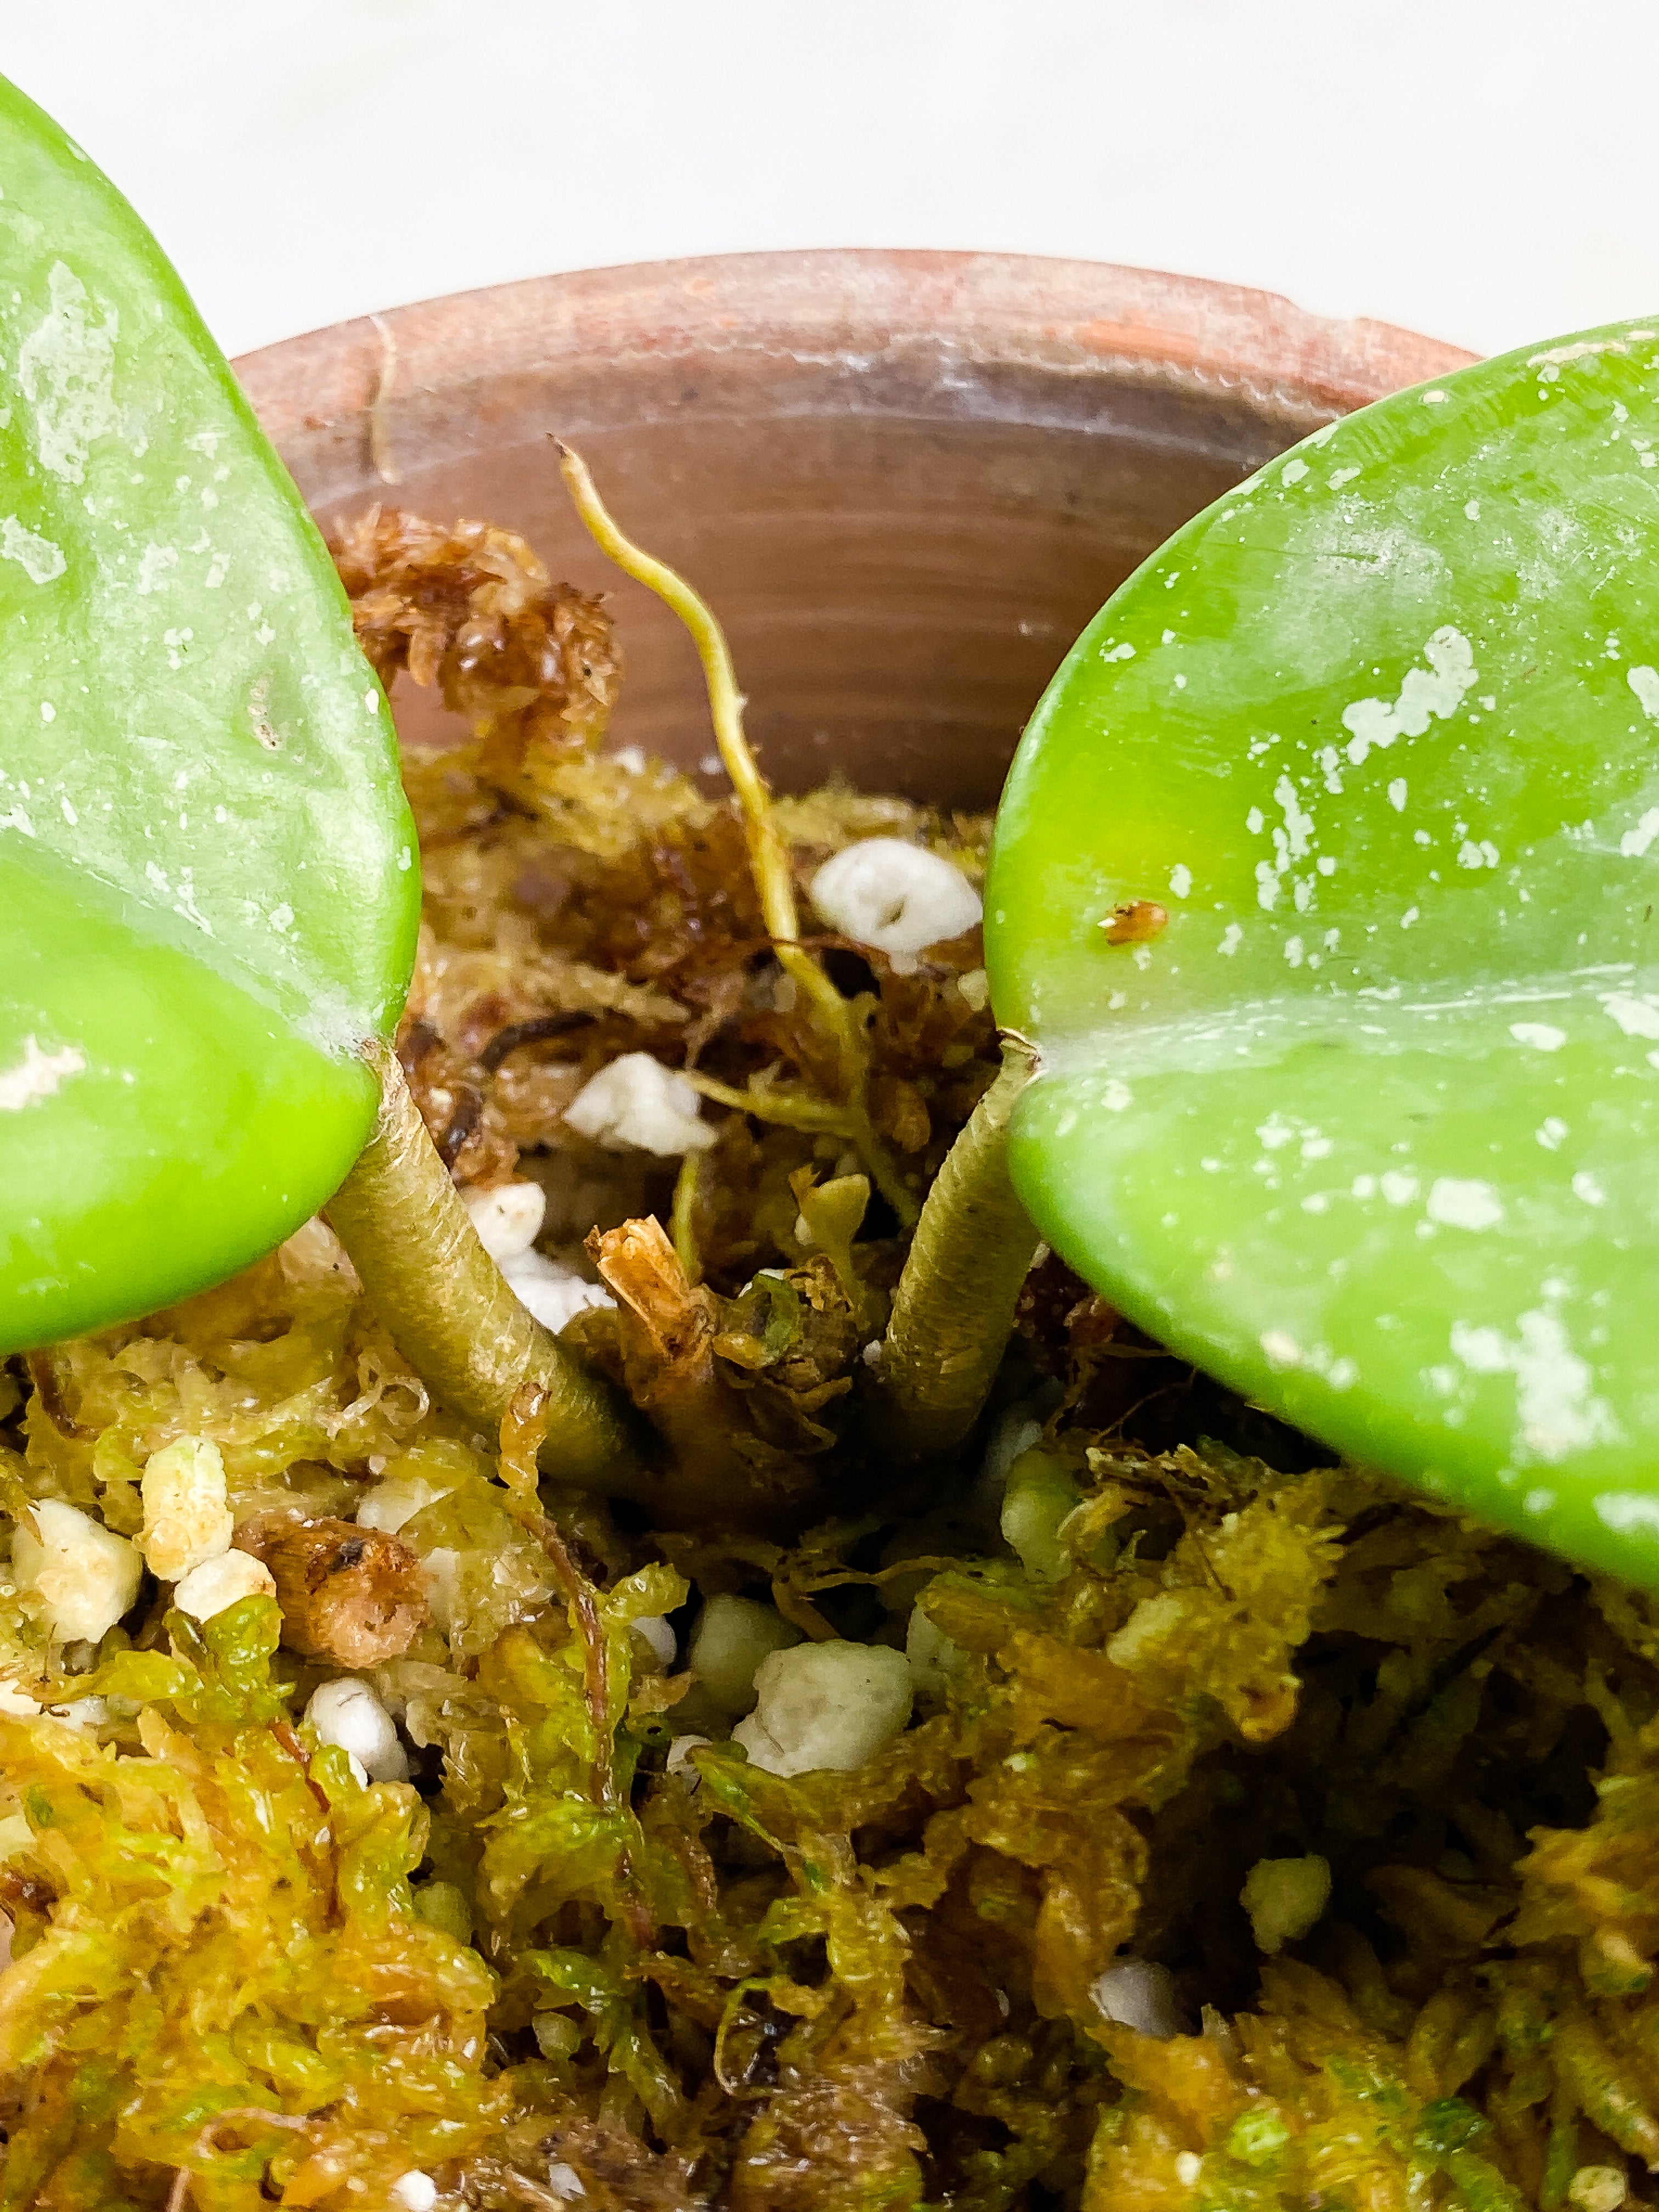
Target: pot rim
[(1070, 318)]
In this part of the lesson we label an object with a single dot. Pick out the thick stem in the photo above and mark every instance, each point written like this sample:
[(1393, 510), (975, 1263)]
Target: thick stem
[(954, 1304), (450, 1311)]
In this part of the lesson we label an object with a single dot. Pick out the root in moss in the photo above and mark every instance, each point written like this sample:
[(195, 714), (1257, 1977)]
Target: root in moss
[(768, 854)]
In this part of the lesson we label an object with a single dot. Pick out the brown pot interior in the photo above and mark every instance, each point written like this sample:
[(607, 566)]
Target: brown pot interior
[(904, 481)]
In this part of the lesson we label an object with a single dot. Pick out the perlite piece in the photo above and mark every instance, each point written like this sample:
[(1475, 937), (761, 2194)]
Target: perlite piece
[(186, 1519), (84, 1574), (826, 1705), (1284, 1897)]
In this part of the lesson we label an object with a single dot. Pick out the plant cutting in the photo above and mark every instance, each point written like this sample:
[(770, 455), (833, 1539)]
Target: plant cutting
[(209, 881), (1364, 1123), (691, 1662)]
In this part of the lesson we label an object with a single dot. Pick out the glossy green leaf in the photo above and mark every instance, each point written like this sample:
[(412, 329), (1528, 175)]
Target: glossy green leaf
[(1371, 1128), (207, 886)]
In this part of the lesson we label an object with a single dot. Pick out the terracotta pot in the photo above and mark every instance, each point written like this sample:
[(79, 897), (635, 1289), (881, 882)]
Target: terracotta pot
[(904, 480)]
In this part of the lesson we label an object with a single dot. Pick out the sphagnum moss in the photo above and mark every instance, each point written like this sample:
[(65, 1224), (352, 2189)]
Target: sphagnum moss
[(557, 1959)]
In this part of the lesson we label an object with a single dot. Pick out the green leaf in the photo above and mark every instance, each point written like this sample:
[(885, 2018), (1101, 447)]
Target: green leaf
[(1371, 1128), (208, 889)]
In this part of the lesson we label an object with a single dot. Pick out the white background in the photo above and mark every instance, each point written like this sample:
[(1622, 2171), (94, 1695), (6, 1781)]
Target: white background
[(1484, 170)]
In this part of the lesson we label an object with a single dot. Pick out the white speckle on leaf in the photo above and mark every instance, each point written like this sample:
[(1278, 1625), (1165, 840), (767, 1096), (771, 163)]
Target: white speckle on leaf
[(40, 560), (154, 564), (1627, 1511), (1280, 1348), (1120, 652), (1181, 880), (1340, 476), (1587, 1187), (1397, 1187), (1459, 1202), (1423, 693), (1579, 350), (1636, 1016), (1116, 1097), (1635, 842), (1232, 938), (1293, 471), (1298, 823), (66, 367), (1397, 794), (1644, 683), (1542, 1036), (1555, 1401), (38, 1074), (1550, 1131)]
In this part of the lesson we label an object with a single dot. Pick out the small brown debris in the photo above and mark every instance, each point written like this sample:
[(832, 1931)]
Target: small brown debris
[(724, 1466), (473, 610), (351, 1595), (1136, 922)]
